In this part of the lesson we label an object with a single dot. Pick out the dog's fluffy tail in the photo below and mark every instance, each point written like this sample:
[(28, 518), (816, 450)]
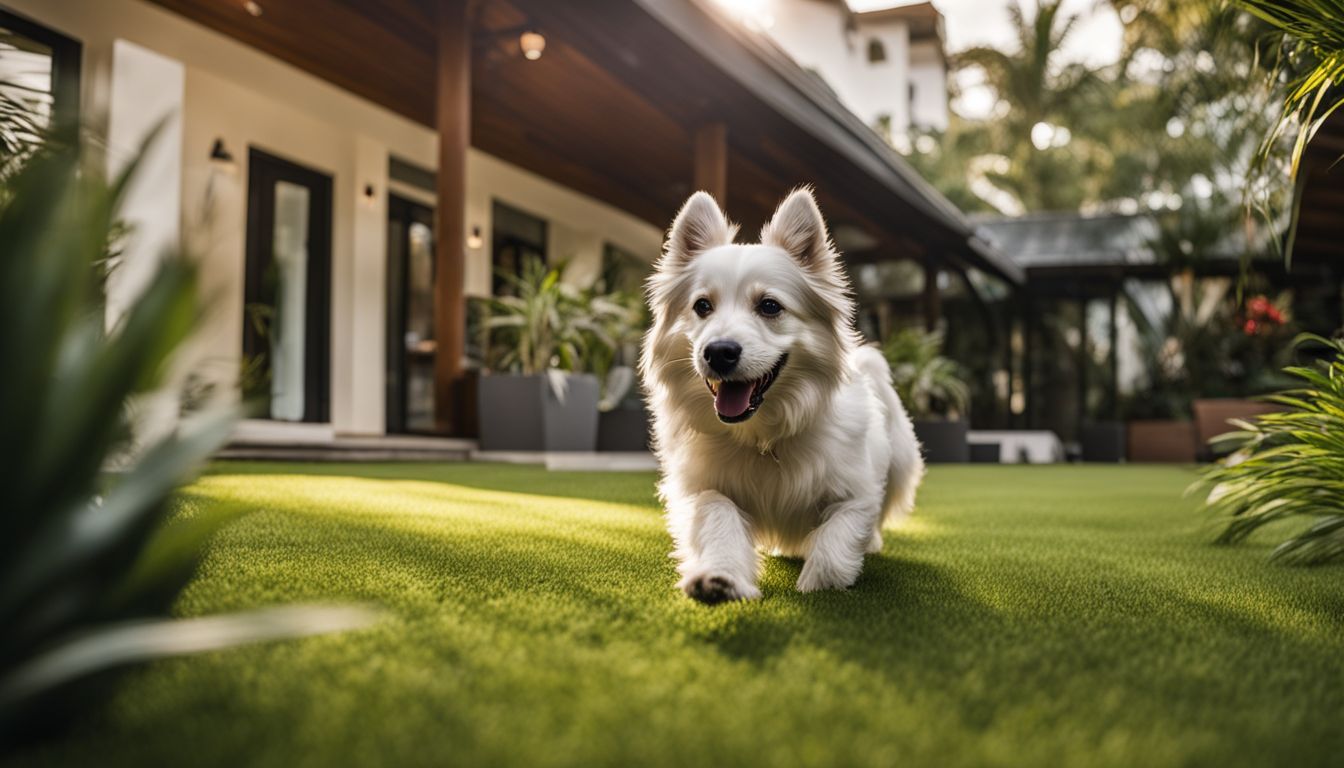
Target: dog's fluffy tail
[(907, 461)]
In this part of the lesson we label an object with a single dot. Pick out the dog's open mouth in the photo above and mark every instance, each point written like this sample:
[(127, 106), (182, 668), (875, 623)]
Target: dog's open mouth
[(736, 401)]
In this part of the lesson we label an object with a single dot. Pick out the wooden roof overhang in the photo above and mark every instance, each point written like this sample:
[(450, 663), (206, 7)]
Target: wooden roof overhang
[(612, 107)]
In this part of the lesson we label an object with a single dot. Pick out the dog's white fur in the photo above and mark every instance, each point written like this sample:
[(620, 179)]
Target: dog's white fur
[(830, 454)]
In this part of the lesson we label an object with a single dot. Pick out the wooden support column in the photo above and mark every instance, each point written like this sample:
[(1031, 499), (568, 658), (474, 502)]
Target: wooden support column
[(711, 161), (453, 121), (932, 299)]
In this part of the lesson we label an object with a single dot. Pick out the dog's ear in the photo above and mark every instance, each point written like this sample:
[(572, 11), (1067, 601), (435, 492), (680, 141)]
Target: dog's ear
[(798, 228), (699, 226)]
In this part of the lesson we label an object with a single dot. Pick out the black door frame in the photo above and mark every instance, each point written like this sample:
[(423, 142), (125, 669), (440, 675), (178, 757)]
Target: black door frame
[(263, 171), (397, 382)]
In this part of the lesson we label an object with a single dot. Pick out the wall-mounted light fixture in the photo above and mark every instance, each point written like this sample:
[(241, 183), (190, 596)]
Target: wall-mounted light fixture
[(533, 43), (253, 8), (221, 158), (474, 240)]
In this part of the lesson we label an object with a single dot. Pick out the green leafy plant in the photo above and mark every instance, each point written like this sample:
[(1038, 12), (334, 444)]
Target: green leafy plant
[(1200, 346), (1289, 465), (927, 382), (1315, 29), (550, 325), (93, 545), (1312, 65)]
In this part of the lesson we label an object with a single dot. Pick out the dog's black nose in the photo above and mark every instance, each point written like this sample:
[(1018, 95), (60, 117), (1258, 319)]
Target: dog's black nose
[(722, 356)]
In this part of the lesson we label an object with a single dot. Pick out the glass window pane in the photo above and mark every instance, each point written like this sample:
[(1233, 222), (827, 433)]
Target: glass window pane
[(420, 329), (289, 331)]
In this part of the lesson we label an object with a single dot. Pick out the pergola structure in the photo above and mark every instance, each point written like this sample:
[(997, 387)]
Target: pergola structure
[(634, 103)]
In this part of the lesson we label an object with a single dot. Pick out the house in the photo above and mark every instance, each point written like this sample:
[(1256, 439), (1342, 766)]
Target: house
[(350, 173), (888, 66), (1101, 290)]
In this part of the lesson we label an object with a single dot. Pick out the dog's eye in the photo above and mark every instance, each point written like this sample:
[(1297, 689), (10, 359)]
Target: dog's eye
[(769, 307), (702, 307)]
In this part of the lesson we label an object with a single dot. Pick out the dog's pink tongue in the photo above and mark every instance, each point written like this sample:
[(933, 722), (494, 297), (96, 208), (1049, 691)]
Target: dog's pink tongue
[(733, 399)]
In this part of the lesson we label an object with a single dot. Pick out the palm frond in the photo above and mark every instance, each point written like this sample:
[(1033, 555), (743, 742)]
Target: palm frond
[(1289, 465)]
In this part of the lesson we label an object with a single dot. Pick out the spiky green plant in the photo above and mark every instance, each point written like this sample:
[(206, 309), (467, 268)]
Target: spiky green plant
[(1315, 29), (1310, 71), (923, 377), (1289, 465), (91, 553), (548, 324)]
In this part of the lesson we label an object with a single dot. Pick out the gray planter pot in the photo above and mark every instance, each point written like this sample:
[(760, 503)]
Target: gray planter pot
[(521, 413), (944, 441), (1104, 441), (624, 428)]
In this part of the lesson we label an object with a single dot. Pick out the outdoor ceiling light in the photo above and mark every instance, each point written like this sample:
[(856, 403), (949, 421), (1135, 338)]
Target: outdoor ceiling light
[(533, 43), (474, 240), (220, 157)]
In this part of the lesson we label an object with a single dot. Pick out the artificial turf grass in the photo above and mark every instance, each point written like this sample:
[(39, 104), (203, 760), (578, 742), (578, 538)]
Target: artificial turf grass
[(1028, 615)]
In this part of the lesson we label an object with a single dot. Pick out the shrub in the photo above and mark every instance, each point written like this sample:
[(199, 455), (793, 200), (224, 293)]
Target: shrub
[(1289, 465), (927, 382), (92, 555)]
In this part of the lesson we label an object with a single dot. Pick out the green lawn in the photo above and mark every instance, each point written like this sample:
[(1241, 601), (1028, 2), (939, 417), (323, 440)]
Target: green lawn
[(1027, 616)]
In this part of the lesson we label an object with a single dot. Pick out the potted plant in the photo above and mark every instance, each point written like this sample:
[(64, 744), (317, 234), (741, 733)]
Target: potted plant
[(1202, 360), (622, 421), (933, 391), (538, 392)]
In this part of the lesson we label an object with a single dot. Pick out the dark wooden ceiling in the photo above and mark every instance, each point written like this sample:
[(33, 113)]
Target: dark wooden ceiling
[(608, 110)]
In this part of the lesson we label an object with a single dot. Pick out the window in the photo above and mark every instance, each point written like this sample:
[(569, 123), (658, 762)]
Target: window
[(287, 289), (877, 52), (39, 73), (518, 238)]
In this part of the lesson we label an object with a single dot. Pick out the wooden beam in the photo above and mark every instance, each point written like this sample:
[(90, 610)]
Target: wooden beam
[(452, 117), (711, 160)]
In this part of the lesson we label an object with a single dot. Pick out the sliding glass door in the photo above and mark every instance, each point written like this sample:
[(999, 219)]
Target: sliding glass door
[(410, 316), (287, 291)]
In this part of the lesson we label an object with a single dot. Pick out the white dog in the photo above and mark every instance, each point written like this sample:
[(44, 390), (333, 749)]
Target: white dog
[(777, 431)]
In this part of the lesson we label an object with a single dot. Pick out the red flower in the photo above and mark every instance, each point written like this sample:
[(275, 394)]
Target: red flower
[(1250, 327), (1259, 306)]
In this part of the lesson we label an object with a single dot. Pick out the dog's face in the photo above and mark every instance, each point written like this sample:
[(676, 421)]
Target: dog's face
[(747, 333)]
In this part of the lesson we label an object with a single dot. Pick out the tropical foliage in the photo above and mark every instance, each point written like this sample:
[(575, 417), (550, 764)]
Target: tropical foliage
[(1203, 342), (547, 325), (1174, 120), (92, 554), (1315, 30), (1308, 74), (927, 382), (1289, 466)]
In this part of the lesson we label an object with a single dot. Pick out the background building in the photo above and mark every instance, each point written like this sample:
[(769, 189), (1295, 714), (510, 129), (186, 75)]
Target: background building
[(888, 66)]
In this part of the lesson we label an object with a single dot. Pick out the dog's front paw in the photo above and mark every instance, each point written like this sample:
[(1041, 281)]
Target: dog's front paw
[(713, 587), (823, 573)]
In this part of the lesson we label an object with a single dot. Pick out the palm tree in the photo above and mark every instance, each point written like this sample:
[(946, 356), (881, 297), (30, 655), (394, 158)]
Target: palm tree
[(1038, 101)]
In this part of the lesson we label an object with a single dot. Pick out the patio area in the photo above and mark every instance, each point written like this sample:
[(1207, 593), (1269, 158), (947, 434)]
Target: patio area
[(530, 620)]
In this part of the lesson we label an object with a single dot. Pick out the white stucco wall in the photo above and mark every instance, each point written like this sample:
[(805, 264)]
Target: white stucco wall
[(882, 88), (928, 73), (247, 98), (813, 33)]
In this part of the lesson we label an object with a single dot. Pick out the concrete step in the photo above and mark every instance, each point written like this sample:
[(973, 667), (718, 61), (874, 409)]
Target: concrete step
[(349, 448)]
